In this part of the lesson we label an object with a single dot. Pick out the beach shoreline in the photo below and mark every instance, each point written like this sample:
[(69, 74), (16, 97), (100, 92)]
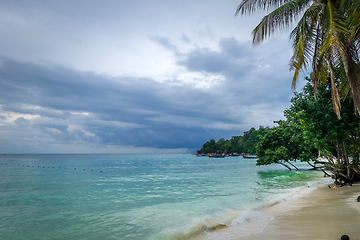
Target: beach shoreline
[(325, 213)]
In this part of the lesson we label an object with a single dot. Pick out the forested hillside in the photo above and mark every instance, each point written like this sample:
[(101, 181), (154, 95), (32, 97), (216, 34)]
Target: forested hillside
[(237, 144)]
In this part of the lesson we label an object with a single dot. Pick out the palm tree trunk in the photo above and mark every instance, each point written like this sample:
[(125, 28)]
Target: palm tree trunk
[(334, 91), (346, 161), (351, 75)]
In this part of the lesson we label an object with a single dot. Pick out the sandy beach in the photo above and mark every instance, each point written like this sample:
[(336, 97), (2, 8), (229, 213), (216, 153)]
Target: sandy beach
[(325, 213)]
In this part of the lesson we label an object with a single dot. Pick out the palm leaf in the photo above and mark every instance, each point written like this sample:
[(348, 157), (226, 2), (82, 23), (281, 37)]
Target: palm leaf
[(280, 18), (302, 38), (250, 6)]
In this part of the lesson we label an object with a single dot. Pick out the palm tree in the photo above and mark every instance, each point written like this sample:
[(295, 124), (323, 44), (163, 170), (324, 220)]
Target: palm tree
[(327, 37)]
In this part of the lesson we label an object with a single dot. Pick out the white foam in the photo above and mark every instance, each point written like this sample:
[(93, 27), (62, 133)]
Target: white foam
[(195, 228), (246, 223), (298, 191), (247, 216), (238, 224)]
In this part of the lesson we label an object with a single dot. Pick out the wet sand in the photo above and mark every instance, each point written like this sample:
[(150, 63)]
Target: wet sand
[(324, 214)]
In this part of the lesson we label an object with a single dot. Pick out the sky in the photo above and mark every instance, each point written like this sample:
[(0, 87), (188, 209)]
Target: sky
[(116, 76)]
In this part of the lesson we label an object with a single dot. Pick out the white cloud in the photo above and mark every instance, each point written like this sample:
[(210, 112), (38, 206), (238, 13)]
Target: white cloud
[(80, 113), (10, 117)]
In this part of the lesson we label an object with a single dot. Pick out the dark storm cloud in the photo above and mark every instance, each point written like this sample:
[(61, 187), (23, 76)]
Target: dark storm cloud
[(63, 89), (72, 106), (205, 60), (84, 106), (235, 49), (22, 120), (90, 75), (261, 73), (212, 61)]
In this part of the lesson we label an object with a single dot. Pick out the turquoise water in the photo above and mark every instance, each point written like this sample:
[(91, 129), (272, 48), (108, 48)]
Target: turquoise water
[(138, 196)]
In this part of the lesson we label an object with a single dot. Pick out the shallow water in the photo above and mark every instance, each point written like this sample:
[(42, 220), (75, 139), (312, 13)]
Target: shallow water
[(153, 196)]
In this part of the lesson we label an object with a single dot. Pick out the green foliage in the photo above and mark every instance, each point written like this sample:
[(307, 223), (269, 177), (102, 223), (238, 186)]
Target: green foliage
[(209, 147), (333, 136), (312, 128), (237, 144), (284, 143), (251, 138), (326, 38)]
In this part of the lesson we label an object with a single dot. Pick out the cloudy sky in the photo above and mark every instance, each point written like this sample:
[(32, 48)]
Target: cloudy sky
[(116, 76)]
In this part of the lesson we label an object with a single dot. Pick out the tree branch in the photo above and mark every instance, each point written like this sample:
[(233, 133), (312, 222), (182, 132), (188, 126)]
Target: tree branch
[(285, 165)]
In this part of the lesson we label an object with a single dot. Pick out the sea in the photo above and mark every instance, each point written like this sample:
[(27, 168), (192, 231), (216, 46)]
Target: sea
[(141, 196)]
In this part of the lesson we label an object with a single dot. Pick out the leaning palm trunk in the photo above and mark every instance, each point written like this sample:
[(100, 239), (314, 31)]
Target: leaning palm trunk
[(352, 76)]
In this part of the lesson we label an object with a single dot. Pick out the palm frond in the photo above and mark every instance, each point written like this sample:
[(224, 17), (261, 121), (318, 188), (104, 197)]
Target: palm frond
[(343, 85), (334, 27), (280, 18), (320, 72), (327, 37), (247, 7), (353, 12), (317, 59), (302, 38)]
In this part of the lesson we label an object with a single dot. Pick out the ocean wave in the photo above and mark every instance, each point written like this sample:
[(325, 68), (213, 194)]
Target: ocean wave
[(238, 223), (193, 229)]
